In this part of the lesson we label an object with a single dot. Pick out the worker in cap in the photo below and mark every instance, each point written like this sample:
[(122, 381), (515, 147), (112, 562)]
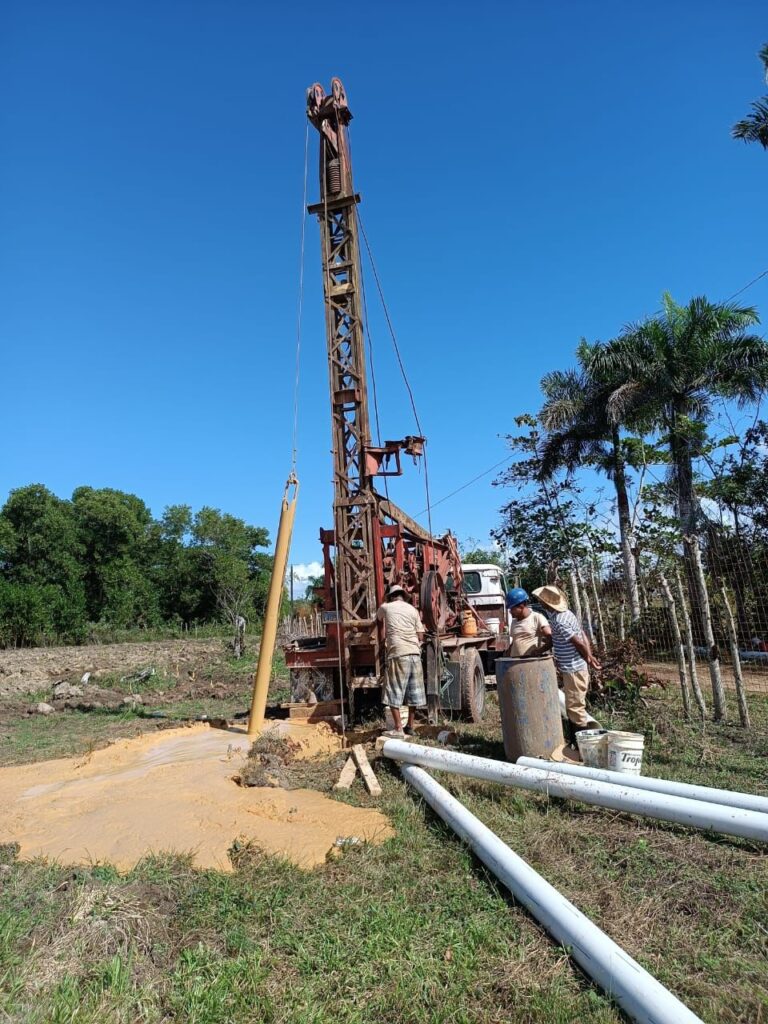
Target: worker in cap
[(403, 636), (573, 656), (529, 632)]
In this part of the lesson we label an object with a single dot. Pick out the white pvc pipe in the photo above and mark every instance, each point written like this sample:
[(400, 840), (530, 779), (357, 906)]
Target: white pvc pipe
[(708, 794), (715, 817), (636, 991)]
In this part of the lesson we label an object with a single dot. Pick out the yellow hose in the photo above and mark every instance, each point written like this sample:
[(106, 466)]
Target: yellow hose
[(271, 616)]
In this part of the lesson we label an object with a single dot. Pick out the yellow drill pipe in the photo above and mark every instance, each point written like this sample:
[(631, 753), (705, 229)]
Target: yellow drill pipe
[(269, 631)]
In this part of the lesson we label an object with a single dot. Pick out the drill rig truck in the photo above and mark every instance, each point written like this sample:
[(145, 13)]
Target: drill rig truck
[(373, 543)]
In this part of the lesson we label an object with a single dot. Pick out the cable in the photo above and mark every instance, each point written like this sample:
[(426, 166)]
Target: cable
[(469, 483), (300, 304), (749, 285), (400, 364)]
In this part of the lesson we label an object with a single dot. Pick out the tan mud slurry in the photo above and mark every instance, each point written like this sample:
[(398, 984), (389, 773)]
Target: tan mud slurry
[(174, 791)]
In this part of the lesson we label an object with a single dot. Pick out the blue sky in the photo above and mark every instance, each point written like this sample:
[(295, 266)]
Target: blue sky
[(530, 174)]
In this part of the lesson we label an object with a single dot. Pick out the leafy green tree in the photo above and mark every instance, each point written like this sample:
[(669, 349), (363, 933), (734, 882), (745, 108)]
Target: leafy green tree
[(541, 527), (25, 617), (39, 541), (176, 567), (581, 433), (473, 553), (101, 558), (41, 563), (233, 573), (754, 127), (115, 529)]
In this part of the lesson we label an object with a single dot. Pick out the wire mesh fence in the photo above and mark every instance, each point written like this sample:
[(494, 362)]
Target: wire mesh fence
[(698, 616)]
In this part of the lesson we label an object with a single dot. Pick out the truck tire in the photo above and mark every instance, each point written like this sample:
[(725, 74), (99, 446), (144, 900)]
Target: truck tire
[(472, 681)]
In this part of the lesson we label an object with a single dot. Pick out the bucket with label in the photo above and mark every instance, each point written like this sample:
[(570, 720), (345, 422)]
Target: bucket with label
[(592, 747), (625, 752)]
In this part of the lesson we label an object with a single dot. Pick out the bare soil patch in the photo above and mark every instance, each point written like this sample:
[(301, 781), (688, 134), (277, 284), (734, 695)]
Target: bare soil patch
[(176, 792), (31, 669), (755, 677)]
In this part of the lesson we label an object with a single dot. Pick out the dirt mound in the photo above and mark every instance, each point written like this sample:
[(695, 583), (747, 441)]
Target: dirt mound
[(276, 760), (176, 792)]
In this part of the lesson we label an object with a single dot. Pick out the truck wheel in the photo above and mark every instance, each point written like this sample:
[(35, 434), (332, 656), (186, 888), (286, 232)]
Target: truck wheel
[(472, 679)]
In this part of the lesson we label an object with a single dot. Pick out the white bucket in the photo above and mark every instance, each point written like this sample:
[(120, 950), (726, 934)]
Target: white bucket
[(625, 752), (494, 625), (592, 747)]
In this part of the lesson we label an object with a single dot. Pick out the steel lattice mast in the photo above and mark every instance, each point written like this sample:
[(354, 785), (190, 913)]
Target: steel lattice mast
[(354, 498), (373, 544)]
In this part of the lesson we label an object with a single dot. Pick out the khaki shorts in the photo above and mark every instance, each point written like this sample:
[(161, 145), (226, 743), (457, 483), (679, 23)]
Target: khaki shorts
[(575, 686)]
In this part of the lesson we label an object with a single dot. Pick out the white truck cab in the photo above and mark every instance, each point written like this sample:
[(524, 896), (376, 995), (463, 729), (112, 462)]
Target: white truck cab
[(486, 589)]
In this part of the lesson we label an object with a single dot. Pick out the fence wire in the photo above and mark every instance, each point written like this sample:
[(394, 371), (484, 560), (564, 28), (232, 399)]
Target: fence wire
[(700, 613)]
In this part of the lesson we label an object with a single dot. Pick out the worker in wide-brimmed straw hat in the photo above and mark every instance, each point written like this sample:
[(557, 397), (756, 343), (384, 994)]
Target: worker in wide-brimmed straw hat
[(573, 656)]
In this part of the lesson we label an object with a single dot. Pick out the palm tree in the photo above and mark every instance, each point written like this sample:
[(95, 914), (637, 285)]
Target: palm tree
[(580, 432), (666, 372), (754, 127)]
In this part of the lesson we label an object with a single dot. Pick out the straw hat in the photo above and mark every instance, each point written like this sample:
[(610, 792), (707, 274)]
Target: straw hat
[(552, 597), (395, 589)]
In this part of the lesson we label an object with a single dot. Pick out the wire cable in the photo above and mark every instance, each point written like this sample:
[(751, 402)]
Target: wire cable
[(506, 459), (400, 364), (300, 306), (749, 285)]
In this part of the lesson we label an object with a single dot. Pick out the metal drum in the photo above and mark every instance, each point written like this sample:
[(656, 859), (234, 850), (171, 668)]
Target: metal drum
[(531, 725)]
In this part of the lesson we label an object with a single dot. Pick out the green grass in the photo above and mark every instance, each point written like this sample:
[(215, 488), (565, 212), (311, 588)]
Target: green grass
[(413, 931)]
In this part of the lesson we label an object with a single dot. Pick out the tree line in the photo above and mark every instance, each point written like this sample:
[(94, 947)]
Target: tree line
[(659, 411), (100, 558)]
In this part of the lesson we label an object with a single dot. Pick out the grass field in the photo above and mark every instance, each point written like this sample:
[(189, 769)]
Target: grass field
[(415, 930)]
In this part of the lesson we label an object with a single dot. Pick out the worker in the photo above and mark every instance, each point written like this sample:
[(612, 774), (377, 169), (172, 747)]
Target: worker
[(573, 656), (403, 636), (530, 633)]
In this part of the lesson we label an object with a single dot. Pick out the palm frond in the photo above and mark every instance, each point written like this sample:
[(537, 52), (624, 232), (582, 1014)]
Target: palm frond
[(754, 127), (569, 449)]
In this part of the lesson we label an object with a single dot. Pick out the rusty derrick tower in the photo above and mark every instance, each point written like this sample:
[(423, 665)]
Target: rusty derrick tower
[(373, 543), (354, 501)]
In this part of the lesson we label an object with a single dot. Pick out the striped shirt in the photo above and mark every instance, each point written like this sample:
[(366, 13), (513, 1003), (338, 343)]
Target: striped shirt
[(565, 626)]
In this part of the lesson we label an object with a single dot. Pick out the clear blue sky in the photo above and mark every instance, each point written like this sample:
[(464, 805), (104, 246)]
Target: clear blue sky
[(530, 173)]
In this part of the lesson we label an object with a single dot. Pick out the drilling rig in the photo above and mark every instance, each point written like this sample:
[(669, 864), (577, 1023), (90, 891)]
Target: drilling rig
[(373, 543)]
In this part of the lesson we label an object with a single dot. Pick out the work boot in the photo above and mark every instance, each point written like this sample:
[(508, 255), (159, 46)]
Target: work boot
[(571, 731)]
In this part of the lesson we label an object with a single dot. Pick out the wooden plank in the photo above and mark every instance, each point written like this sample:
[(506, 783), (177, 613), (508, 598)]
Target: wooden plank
[(348, 773), (370, 780), (328, 708)]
